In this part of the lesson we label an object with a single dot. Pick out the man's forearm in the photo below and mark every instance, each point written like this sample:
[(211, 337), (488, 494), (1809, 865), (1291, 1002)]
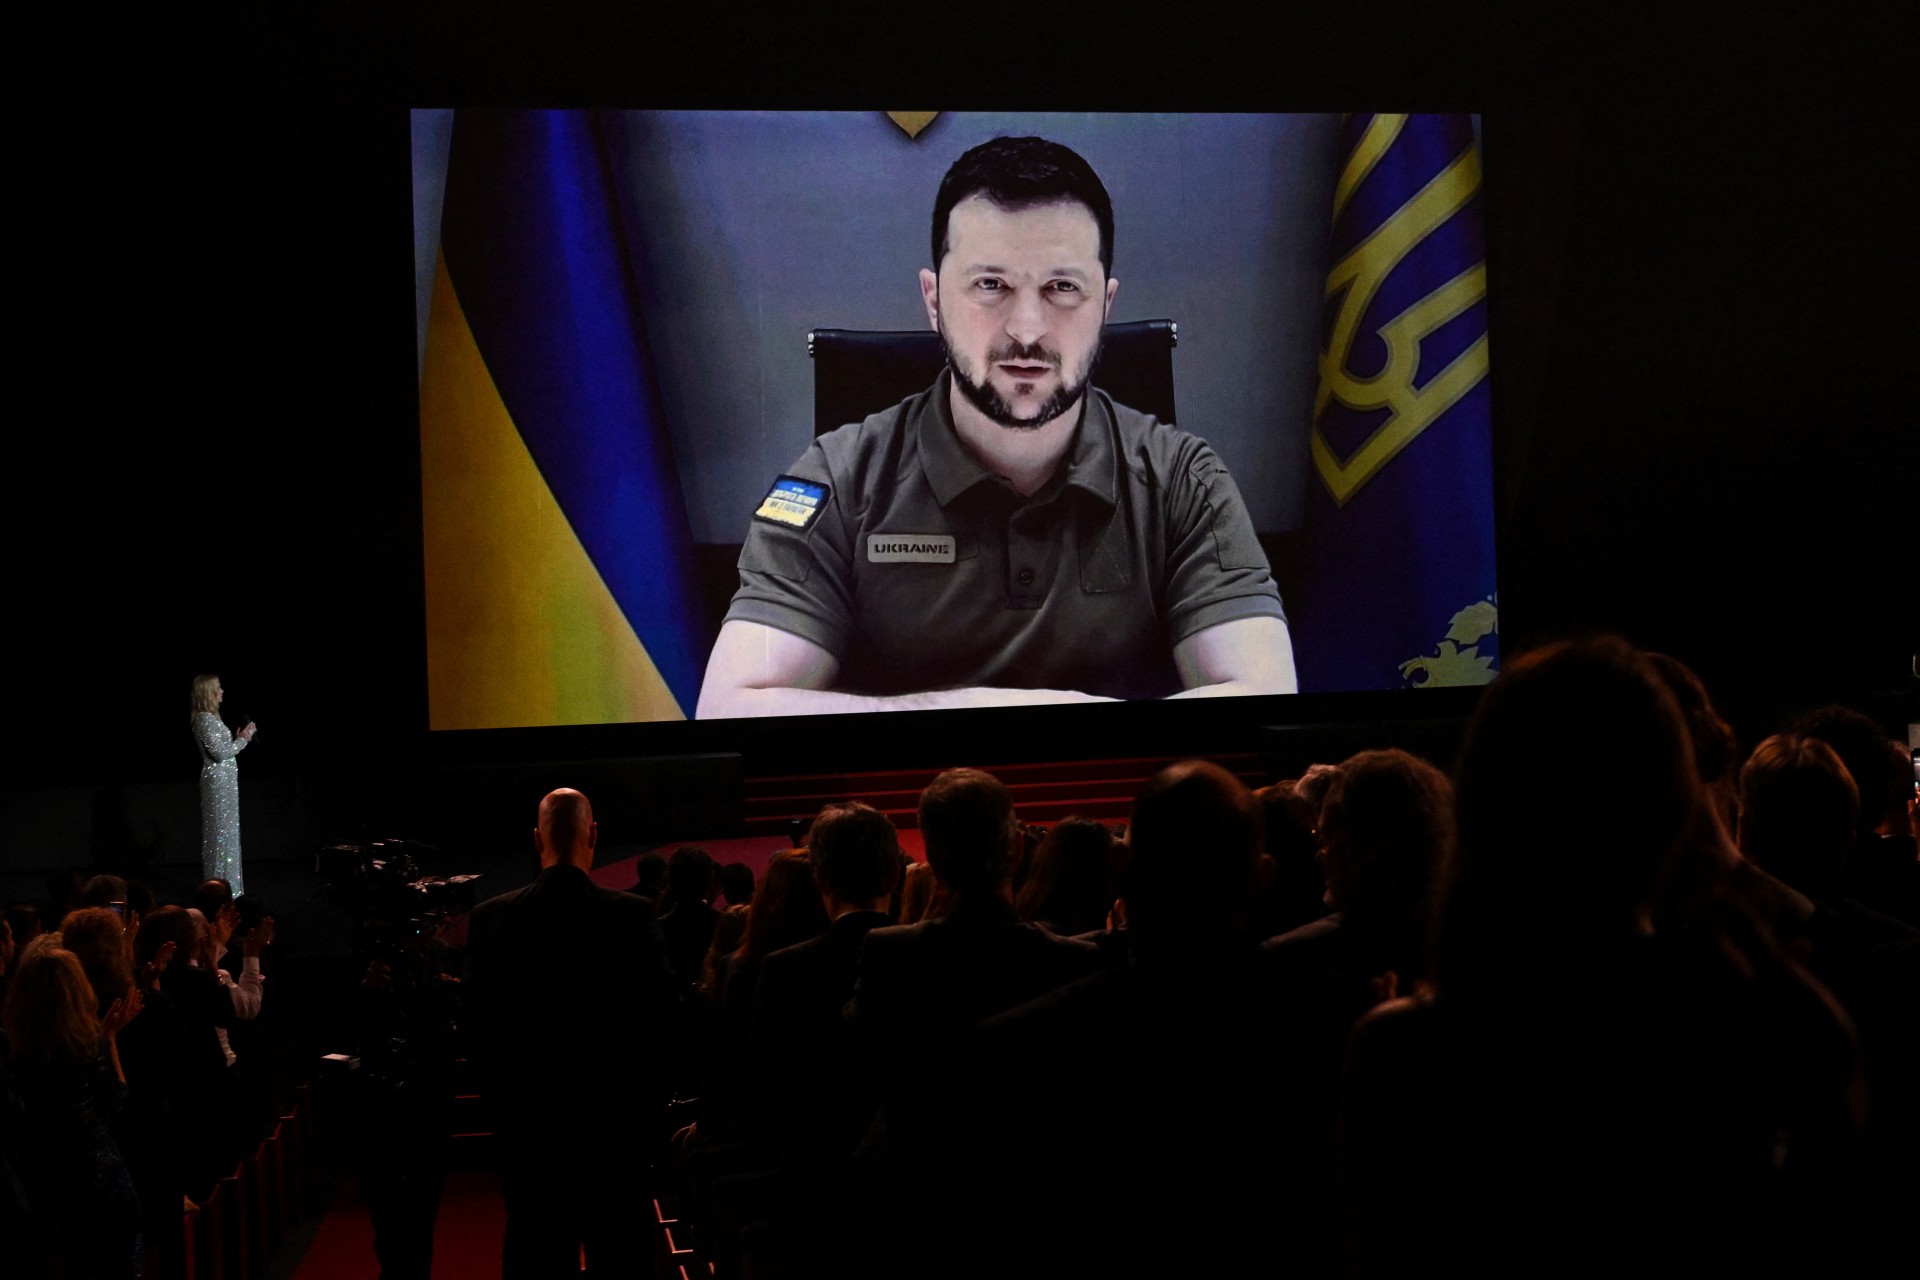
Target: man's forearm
[(1229, 689), (810, 702)]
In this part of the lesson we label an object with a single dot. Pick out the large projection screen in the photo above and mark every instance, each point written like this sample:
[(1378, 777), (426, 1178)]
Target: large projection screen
[(615, 384)]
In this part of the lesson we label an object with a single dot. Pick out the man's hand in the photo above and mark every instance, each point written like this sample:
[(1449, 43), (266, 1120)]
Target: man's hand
[(150, 972), (220, 928), (121, 1012), (260, 939)]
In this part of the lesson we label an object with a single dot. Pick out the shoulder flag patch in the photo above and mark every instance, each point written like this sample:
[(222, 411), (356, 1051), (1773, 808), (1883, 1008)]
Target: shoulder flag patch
[(793, 502)]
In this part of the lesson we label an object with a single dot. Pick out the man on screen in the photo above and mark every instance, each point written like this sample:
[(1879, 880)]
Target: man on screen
[(1010, 535)]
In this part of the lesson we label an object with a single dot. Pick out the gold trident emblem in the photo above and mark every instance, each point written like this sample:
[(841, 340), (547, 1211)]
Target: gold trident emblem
[(1359, 274)]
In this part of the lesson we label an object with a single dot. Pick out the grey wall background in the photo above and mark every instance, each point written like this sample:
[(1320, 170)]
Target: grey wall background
[(749, 228)]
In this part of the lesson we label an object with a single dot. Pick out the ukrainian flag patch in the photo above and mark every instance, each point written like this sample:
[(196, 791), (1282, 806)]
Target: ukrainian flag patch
[(793, 502)]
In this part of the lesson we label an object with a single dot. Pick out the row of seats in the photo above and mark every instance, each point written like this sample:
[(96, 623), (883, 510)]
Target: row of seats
[(716, 1215), (231, 1236)]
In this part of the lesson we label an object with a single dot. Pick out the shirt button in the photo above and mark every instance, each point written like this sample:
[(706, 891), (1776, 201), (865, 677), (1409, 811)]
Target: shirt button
[(1024, 577)]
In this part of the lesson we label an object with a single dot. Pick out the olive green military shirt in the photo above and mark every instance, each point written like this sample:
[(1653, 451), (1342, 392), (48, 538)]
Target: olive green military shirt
[(890, 547)]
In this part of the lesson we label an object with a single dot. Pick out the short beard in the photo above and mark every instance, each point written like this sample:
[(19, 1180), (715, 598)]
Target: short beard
[(990, 402)]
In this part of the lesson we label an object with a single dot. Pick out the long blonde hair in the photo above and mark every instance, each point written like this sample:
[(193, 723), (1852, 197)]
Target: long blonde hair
[(49, 1013), (203, 699)]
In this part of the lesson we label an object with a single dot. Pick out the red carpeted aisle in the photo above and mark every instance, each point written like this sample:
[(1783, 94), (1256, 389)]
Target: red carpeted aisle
[(466, 1236)]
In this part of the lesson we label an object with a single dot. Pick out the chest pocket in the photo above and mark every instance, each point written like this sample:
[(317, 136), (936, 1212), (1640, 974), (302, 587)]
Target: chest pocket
[(1106, 552)]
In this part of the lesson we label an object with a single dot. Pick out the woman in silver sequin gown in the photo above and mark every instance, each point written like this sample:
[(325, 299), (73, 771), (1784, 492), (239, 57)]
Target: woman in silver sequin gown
[(219, 783)]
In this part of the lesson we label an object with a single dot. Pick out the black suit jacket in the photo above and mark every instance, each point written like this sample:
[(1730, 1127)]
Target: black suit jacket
[(922, 990), (1193, 1092), (933, 981), (809, 1093), (568, 1001)]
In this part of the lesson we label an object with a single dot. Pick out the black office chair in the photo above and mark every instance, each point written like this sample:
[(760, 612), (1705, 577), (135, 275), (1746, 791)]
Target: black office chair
[(860, 372)]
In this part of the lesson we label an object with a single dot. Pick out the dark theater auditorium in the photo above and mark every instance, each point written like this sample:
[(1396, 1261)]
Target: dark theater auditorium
[(1271, 645)]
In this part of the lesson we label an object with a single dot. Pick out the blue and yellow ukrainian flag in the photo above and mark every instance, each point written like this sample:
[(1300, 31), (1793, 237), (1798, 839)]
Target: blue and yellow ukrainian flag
[(1400, 581), (560, 586)]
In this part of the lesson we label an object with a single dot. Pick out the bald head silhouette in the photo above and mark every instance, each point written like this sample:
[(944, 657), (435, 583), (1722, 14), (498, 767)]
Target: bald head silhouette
[(566, 832)]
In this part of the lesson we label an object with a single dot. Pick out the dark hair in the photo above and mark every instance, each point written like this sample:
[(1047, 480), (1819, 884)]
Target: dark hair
[(140, 898), (24, 918), (1861, 745), (1519, 863), (1390, 816), (966, 819), (1020, 173), (736, 881), (649, 873), (103, 890), (855, 852), (1714, 746), (1070, 889), (786, 907), (1194, 836), (1798, 807), (689, 875), (168, 924)]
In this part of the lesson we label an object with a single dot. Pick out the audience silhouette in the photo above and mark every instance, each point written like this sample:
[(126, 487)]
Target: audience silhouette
[(1614, 998)]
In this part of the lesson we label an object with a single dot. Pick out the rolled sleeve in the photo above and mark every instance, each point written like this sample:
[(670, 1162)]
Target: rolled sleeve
[(801, 580), (1216, 569)]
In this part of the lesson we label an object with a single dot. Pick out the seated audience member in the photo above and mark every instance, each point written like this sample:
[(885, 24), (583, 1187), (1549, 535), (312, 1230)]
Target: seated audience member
[(1385, 827), (567, 985), (1312, 786), (649, 877), (1881, 871), (64, 1062), (924, 984), (1298, 889), (736, 884), (923, 988), (1204, 1147), (1798, 819), (1716, 751), (1597, 1076), (786, 910), (1069, 890), (687, 916), (921, 895), (1798, 813), (1025, 849), (728, 928), (808, 1097)]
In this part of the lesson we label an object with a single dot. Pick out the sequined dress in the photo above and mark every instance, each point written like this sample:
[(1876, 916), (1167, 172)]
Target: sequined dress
[(219, 799)]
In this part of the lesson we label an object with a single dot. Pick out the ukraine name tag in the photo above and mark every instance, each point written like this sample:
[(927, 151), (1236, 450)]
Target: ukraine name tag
[(910, 548), (793, 502)]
